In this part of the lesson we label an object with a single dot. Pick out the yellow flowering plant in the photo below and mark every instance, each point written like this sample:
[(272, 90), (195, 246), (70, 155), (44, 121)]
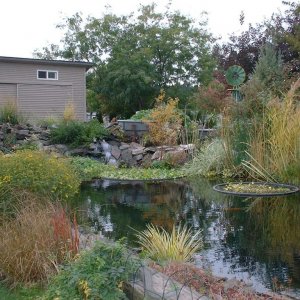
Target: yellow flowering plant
[(40, 173)]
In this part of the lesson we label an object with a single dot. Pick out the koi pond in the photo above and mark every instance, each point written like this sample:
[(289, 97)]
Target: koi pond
[(253, 239)]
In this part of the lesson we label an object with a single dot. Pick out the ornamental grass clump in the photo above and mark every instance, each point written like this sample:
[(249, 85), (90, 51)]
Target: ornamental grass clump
[(179, 245), (274, 147), (35, 239), (209, 161), (40, 173)]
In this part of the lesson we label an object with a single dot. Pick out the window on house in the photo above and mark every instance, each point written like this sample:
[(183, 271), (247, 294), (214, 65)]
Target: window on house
[(46, 74)]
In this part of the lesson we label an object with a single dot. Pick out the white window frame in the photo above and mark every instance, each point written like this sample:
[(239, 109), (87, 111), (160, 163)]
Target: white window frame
[(47, 75)]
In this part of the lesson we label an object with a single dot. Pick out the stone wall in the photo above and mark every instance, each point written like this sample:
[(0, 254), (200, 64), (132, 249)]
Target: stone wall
[(110, 151)]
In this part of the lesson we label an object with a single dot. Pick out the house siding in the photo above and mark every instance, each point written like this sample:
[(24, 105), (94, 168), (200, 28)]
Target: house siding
[(8, 93), (37, 98)]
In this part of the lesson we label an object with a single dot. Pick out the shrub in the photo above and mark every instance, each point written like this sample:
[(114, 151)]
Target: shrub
[(41, 173), (69, 133), (36, 240), (96, 274), (180, 245), (212, 98), (142, 115), (76, 133), (165, 122)]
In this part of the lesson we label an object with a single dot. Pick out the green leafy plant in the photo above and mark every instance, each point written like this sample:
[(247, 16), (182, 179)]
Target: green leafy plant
[(89, 168), (95, 274), (142, 115), (77, 133), (179, 245), (40, 173)]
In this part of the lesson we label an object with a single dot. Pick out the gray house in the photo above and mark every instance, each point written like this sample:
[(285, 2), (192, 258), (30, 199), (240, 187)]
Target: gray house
[(42, 88)]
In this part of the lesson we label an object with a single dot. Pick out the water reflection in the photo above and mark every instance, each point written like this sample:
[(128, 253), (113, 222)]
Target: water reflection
[(256, 240)]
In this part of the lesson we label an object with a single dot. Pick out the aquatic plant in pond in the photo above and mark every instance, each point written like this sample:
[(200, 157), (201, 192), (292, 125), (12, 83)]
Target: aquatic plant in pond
[(89, 169), (255, 188)]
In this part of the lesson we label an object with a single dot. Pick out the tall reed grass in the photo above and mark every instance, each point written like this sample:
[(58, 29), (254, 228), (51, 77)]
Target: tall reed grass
[(274, 147)]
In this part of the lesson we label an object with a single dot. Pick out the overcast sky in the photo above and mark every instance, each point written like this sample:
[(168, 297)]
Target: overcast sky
[(26, 25)]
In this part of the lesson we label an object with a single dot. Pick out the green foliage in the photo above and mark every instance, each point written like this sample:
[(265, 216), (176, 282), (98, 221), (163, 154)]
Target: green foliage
[(142, 115), (89, 168), (209, 161), (269, 69), (70, 133), (179, 245), (136, 55), (95, 274), (9, 114), (20, 293), (282, 29), (40, 173), (75, 133)]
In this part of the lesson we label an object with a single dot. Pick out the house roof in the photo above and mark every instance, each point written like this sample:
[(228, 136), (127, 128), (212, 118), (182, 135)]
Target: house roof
[(22, 60)]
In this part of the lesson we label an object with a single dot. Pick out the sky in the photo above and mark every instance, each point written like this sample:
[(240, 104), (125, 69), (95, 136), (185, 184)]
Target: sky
[(26, 25)]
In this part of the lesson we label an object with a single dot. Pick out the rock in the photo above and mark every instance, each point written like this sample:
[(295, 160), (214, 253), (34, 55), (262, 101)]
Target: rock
[(81, 151), (138, 151), (188, 147), (124, 146), (61, 148), (21, 127), (150, 150), (22, 134), (134, 145), (45, 135), (139, 157), (157, 155), (35, 129), (126, 157), (115, 152), (177, 157), (114, 143), (146, 162)]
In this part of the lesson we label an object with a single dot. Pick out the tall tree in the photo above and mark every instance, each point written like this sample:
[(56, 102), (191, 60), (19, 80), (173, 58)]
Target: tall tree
[(138, 54), (282, 30)]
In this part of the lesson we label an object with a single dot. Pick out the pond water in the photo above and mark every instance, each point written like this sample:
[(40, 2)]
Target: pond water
[(254, 239)]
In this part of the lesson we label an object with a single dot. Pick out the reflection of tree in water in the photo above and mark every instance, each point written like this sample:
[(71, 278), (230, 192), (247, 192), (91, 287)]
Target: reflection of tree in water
[(263, 237), (275, 223)]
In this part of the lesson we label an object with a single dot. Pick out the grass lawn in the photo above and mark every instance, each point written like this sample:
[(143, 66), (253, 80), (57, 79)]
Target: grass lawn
[(19, 293)]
